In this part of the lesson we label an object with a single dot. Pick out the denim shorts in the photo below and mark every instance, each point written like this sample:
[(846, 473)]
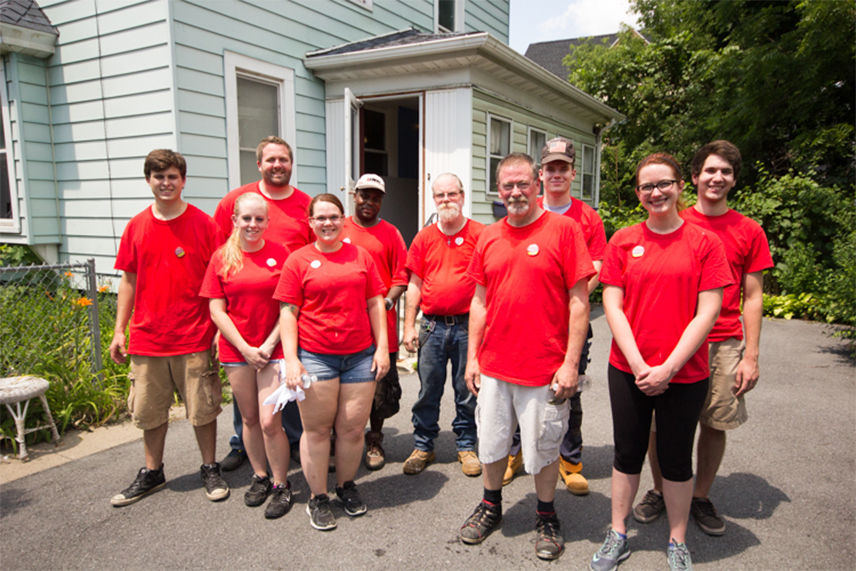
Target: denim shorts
[(350, 368)]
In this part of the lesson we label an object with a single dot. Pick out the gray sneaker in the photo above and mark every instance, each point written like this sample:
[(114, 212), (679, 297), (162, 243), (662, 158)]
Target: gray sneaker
[(706, 517), (216, 488), (613, 551), (320, 515), (650, 508), (146, 482), (679, 557)]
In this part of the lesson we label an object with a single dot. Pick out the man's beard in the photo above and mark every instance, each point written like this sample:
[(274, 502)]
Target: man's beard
[(448, 213)]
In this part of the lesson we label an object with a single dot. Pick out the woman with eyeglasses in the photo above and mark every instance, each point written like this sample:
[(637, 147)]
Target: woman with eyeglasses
[(333, 327), (663, 281)]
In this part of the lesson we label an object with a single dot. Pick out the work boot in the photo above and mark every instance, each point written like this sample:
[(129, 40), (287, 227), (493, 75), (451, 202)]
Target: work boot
[(572, 475), (374, 459), (515, 463)]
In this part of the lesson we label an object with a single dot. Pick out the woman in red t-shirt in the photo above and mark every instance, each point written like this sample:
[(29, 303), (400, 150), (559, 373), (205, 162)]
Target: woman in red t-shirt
[(240, 281), (333, 327), (663, 281)]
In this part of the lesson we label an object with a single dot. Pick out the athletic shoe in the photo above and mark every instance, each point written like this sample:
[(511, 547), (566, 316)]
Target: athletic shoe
[(470, 464), (679, 557), (572, 475), (146, 482), (280, 501), (706, 517), (260, 488), (233, 460), (348, 496), (650, 508), (375, 457), (484, 519), (515, 463), (216, 488), (320, 515), (417, 461), (550, 543), (613, 551)]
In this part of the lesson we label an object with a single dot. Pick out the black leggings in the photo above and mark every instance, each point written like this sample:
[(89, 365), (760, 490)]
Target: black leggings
[(677, 416)]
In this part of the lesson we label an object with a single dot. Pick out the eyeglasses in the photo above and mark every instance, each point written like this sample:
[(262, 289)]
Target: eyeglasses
[(663, 185), (447, 195), (522, 185), (324, 219)]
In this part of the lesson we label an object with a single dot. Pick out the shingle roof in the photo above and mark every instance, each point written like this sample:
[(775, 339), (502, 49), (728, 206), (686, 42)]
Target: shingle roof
[(549, 55), (400, 38), (26, 14)]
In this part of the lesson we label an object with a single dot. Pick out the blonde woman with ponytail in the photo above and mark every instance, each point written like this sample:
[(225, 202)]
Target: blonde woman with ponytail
[(240, 282)]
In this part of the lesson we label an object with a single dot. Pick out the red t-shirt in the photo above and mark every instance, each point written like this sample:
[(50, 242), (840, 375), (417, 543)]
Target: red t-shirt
[(441, 263), (169, 258), (527, 273), (331, 292), (590, 223), (662, 275), (386, 246), (249, 297), (747, 250), (289, 217)]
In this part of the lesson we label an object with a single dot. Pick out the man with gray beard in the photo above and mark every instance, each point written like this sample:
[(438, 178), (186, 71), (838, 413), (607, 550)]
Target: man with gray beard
[(437, 263)]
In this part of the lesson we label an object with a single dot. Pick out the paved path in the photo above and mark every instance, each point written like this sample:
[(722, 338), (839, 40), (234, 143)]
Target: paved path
[(787, 490)]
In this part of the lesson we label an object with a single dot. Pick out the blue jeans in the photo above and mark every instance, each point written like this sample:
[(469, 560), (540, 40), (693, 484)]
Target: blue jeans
[(440, 343), (572, 443), (290, 423)]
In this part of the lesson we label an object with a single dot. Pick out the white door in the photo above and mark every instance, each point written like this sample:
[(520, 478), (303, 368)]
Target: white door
[(352, 147)]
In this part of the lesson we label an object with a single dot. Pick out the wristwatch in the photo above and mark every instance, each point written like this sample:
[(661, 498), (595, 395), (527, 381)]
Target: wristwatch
[(388, 303)]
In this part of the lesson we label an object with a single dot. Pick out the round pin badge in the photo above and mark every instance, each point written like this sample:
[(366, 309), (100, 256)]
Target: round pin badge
[(346, 240), (315, 264), (458, 241), (533, 249), (179, 252), (271, 262), (637, 251)]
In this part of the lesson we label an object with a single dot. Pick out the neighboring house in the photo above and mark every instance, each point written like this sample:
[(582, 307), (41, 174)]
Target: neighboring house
[(405, 89), (551, 55)]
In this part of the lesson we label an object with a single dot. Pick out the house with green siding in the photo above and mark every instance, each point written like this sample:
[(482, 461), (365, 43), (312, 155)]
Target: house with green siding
[(406, 89)]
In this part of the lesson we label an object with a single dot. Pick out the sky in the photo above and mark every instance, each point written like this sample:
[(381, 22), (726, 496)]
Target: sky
[(543, 20)]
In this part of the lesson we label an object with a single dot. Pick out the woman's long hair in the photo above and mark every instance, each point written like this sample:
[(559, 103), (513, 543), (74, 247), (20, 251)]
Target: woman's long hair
[(230, 252)]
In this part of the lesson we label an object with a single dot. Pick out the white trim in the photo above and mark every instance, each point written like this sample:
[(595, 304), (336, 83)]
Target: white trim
[(586, 149), (490, 189), (239, 65), (9, 225), (534, 153)]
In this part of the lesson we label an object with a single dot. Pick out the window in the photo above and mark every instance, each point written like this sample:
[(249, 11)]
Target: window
[(498, 145), (8, 194), (587, 173), (537, 140), (449, 15), (259, 103)]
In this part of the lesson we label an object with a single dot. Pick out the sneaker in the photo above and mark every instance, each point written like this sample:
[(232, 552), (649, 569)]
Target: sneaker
[(233, 460), (679, 557), (515, 463), (550, 542), (417, 461), (470, 464), (706, 517), (374, 459), (260, 488), (650, 508), (280, 501), (320, 515), (146, 482), (572, 475), (613, 551), (484, 519), (216, 488), (348, 496)]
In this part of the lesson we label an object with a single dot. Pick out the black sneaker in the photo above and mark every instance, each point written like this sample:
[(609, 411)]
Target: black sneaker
[(146, 482), (484, 519), (280, 501), (550, 543), (233, 460), (350, 499), (706, 517), (650, 508), (260, 487), (320, 515), (216, 488)]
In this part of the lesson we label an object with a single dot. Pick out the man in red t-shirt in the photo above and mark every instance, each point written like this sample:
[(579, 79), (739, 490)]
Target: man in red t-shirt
[(384, 242), (528, 321), (288, 210), (437, 261), (163, 255), (733, 349)]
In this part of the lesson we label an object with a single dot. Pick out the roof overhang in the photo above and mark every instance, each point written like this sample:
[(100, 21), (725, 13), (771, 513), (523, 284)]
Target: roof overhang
[(477, 51), (26, 41)]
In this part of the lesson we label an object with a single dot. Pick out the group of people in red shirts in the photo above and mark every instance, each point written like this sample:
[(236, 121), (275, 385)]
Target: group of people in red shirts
[(304, 296)]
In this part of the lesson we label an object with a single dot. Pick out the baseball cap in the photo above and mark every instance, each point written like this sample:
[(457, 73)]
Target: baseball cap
[(369, 180), (558, 149)]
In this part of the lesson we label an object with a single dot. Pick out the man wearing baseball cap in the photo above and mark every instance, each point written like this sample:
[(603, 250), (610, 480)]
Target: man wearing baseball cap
[(384, 242), (557, 173)]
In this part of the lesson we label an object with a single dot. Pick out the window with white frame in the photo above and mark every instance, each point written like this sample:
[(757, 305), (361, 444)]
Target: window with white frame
[(8, 195), (587, 173), (498, 145), (449, 15), (259, 103), (537, 140)]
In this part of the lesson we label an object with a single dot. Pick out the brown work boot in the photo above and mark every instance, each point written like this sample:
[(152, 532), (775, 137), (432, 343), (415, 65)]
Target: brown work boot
[(417, 461), (515, 463), (572, 475), (470, 464), (374, 459)]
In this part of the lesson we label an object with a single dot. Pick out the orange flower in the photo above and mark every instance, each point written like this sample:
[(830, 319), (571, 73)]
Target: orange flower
[(68, 274), (83, 302), (104, 289)]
